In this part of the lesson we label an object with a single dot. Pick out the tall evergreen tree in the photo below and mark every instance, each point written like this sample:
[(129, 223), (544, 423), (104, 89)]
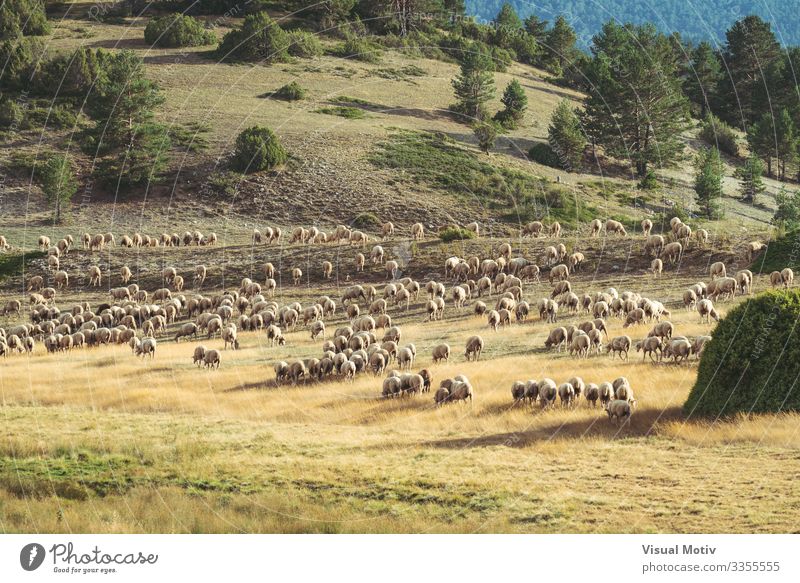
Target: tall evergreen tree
[(703, 77), (566, 136), (635, 108), (508, 18), (57, 177), (560, 46), (751, 50), (536, 27), (474, 86), (751, 186), (515, 102), (774, 137), (708, 183)]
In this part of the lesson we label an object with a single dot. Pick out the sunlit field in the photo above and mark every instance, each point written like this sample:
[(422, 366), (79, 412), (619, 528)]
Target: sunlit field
[(98, 439)]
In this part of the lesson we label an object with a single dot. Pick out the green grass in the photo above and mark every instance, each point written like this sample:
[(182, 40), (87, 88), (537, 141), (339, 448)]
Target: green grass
[(439, 162), (341, 111)]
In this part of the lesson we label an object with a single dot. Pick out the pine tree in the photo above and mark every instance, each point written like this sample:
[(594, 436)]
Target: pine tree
[(785, 141), (474, 86), (751, 50), (515, 102), (635, 108), (750, 183), (508, 18), (536, 27), (708, 183), (560, 46), (703, 77), (57, 177), (566, 136)]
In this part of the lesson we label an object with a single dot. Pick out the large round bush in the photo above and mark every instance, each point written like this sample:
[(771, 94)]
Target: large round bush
[(177, 30), (257, 149), (752, 364)]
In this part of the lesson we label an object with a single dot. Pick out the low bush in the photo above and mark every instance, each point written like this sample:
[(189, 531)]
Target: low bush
[(290, 92), (359, 49), (257, 149), (750, 364), (716, 132), (304, 44), (259, 39), (177, 30), (455, 234), (542, 153)]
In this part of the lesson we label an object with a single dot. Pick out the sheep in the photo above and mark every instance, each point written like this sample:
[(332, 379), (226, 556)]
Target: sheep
[(405, 358), (575, 261), (441, 353), (744, 281), (606, 393), (188, 329), (560, 288), (615, 228), (297, 275), (559, 272), (533, 229), (200, 274), (634, 318), (555, 229), (619, 410), (392, 267), (556, 338), (417, 232), (753, 249), (199, 355), (229, 336), (94, 276), (566, 392), (725, 287), (787, 276), (594, 227), (679, 348), (474, 347), (212, 359), (662, 330), (547, 392), (461, 390), (387, 230), (689, 299), (61, 279), (684, 233), (441, 396), (716, 270), (657, 266), (146, 346), (672, 252), (619, 345), (647, 226), (654, 245), (706, 310), (579, 347), (376, 255), (651, 345)]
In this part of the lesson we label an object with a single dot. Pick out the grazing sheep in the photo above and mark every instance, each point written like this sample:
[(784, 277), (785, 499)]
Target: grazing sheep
[(619, 345), (387, 230), (592, 393), (606, 391), (654, 245), (297, 275), (125, 274), (547, 392), (561, 288), (441, 396), (647, 226), (474, 347), (579, 347), (615, 228), (717, 269), (146, 346), (701, 236), (417, 232), (94, 276), (706, 310), (656, 266), (619, 410), (594, 227), (441, 353), (689, 299), (61, 279), (555, 229), (566, 392), (556, 338), (672, 252), (212, 359), (744, 281), (559, 272), (634, 318), (787, 276), (753, 249), (200, 275), (679, 348), (199, 355)]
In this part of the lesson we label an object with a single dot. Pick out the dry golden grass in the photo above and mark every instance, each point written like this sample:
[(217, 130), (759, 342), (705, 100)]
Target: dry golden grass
[(98, 440)]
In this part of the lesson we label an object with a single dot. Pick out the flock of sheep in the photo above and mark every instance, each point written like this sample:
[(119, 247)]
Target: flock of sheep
[(136, 317)]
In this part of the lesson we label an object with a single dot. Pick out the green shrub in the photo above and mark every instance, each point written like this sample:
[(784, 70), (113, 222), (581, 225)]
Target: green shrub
[(716, 132), (58, 117), (366, 221), (177, 30), (22, 17), (10, 113), (359, 49), (257, 148), (304, 44), (341, 111), (750, 365), (543, 154), (259, 39), (290, 92), (649, 181), (455, 234)]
